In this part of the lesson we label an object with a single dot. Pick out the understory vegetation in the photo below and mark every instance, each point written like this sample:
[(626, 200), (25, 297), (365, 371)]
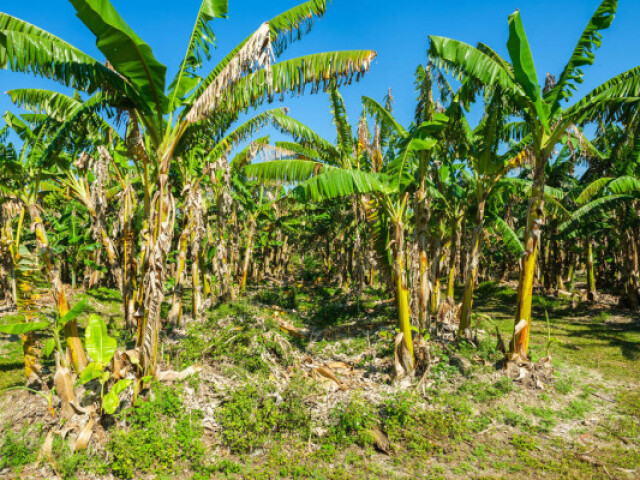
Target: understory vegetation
[(452, 297), (274, 416)]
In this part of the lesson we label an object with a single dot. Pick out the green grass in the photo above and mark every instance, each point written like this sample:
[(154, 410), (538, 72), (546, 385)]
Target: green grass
[(580, 335), (277, 421)]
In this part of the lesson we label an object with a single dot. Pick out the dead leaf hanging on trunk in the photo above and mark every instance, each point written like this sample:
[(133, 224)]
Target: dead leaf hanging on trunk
[(403, 361), (64, 388), (82, 441)]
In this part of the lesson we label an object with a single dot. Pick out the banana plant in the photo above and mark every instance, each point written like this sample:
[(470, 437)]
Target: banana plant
[(388, 189), (28, 183), (545, 114), (164, 121), (488, 162), (101, 348), (53, 327)]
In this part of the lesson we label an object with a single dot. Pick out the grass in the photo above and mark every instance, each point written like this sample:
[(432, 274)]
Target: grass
[(581, 336), (278, 422)]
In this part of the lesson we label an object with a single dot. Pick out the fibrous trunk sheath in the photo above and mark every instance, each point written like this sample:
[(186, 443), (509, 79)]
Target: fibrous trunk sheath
[(402, 293), (472, 271), (535, 219)]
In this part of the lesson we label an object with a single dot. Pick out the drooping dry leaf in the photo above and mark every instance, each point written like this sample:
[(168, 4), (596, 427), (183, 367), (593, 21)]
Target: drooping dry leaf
[(403, 361), (82, 441), (172, 376), (381, 439), (63, 382), (46, 451)]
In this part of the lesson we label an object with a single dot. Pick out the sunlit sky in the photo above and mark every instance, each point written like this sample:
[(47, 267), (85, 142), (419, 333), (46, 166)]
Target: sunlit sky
[(397, 31)]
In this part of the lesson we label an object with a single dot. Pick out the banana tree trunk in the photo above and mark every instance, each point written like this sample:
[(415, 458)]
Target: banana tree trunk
[(453, 253), (247, 254), (78, 356), (402, 292), (175, 312), (197, 233), (558, 265), (196, 298), (535, 219), (464, 253), (97, 206), (592, 294), (422, 225), (7, 268), (472, 271), (221, 260), (128, 263), (438, 254), (571, 275), (160, 233), (629, 292)]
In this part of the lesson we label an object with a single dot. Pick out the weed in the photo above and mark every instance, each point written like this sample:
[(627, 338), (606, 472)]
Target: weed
[(253, 413), (162, 434), (353, 422), (564, 385), (512, 418), (524, 443), (602, 317), (576, 409), (17, 449), (546, 418), (483, 392), (69, 463)]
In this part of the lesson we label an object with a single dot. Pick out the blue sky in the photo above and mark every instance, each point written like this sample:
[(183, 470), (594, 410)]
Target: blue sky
[(398, 31)]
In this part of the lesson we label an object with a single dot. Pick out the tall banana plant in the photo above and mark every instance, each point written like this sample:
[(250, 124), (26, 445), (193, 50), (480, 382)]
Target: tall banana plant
[(387, 187), (545, 113), (29, 182), (167, 119), (488, 164)]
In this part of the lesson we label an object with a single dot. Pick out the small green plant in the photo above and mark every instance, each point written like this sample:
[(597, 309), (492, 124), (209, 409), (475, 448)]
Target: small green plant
[(546, 418), (483, 392), (524, 443), (162, 437), (54, 326), (252, 413), (602, 317), (101, 347), (576, 409), (564, 385), (513, 419), (352, 423), (17, 449), (68, 464)]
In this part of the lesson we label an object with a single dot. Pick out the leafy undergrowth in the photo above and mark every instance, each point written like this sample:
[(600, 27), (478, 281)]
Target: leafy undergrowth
[(259, 408)]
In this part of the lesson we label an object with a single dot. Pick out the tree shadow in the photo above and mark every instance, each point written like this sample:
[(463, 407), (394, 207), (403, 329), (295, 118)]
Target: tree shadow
[(10, 366), (611, 333)]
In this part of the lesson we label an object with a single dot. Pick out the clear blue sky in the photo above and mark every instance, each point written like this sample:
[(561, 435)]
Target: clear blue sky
[(396, 30)]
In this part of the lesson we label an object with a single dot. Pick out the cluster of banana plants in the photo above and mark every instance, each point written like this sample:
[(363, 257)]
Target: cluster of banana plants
[(143, 158), (156, 186), (420, 201)]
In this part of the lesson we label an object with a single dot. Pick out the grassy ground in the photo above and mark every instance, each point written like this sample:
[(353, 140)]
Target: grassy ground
[(261, 408)]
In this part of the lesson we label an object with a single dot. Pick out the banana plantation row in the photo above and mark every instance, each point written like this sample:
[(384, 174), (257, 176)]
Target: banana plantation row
[(160, 186)]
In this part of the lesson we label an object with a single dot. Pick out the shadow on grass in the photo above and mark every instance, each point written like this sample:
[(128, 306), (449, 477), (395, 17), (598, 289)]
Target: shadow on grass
[(105, 295), (584, 321), (10, 366)]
